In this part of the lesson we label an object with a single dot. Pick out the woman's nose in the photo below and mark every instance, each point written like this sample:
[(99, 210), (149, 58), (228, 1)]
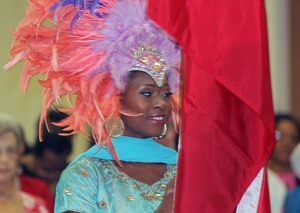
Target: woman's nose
[(161, 102), (3, 157)]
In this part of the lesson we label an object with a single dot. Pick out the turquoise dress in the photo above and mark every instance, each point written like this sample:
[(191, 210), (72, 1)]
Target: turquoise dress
[(92, 184)]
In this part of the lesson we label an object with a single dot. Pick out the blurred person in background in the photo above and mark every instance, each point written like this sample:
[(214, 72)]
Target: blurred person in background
[(30, 184), (287, 137), (281, 175), (12, 198), (49, 157)]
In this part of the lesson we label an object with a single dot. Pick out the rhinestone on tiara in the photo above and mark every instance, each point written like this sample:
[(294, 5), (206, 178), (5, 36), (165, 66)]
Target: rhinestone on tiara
[(148, 59)]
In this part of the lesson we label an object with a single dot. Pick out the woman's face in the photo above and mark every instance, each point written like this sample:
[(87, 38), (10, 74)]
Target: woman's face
[(149, 105), (8, 157), (287, 139)]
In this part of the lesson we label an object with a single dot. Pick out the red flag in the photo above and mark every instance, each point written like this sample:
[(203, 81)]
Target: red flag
[(227, 120)]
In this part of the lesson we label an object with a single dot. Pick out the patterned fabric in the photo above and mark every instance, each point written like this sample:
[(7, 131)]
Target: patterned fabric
[(93, 185), (33, 204)]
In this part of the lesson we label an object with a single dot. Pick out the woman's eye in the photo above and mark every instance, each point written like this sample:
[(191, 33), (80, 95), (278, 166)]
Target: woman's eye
[(11, 150), (167, 94), (148, 94)]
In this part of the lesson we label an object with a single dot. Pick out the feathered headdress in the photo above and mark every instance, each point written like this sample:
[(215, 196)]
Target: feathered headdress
[(85, 49)]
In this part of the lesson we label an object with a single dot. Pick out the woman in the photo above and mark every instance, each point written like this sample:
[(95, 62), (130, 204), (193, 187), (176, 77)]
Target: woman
[(137, 181), (287, 137), (28, 181), (124, 73), (12, 199), (281, 176), (48, 159)]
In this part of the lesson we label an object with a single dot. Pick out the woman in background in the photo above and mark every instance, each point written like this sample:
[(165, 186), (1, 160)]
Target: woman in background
[(49, 157), (12, 199), (287, 137), (28, 181), (281, 175)]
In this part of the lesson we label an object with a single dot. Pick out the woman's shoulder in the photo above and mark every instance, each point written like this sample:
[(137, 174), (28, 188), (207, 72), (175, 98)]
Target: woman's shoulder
[(84, 167), (85, 162), (79, 185)]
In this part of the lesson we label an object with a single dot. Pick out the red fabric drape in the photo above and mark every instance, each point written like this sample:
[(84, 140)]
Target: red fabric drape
[(227, 119)]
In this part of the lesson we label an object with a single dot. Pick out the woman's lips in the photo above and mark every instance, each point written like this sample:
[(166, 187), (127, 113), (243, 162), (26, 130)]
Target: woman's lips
[(160, 119)]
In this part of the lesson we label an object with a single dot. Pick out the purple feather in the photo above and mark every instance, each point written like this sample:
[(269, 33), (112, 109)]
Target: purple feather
[(81, 5), (126, 27), (125, 32)]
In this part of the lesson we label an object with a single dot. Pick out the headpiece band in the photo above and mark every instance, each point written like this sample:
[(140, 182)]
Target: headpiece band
[(150, 60)]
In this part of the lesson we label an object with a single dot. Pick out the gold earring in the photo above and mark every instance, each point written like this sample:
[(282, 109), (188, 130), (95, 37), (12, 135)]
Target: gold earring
[(164, 132), (114, 127)]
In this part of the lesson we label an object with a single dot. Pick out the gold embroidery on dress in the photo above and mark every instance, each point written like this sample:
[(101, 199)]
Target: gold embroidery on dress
[(130, 197), (151, 193), (151, 196), (102, 204), (85, 173), (67, 192)]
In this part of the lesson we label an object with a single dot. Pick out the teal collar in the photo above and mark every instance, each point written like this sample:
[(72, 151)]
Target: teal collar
[(138, 150)]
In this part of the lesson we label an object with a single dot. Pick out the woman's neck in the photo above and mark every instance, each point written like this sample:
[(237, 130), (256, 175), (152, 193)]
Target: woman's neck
[(10, 198), (7, 191)]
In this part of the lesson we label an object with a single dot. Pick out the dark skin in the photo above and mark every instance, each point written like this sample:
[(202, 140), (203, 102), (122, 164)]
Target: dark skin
[(280, 159), (170, 139), (143, 96), (149, 174), (152, 105)]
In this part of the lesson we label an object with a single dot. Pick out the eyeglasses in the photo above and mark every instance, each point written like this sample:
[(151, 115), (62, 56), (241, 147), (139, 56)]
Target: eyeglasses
[(280, 135)]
